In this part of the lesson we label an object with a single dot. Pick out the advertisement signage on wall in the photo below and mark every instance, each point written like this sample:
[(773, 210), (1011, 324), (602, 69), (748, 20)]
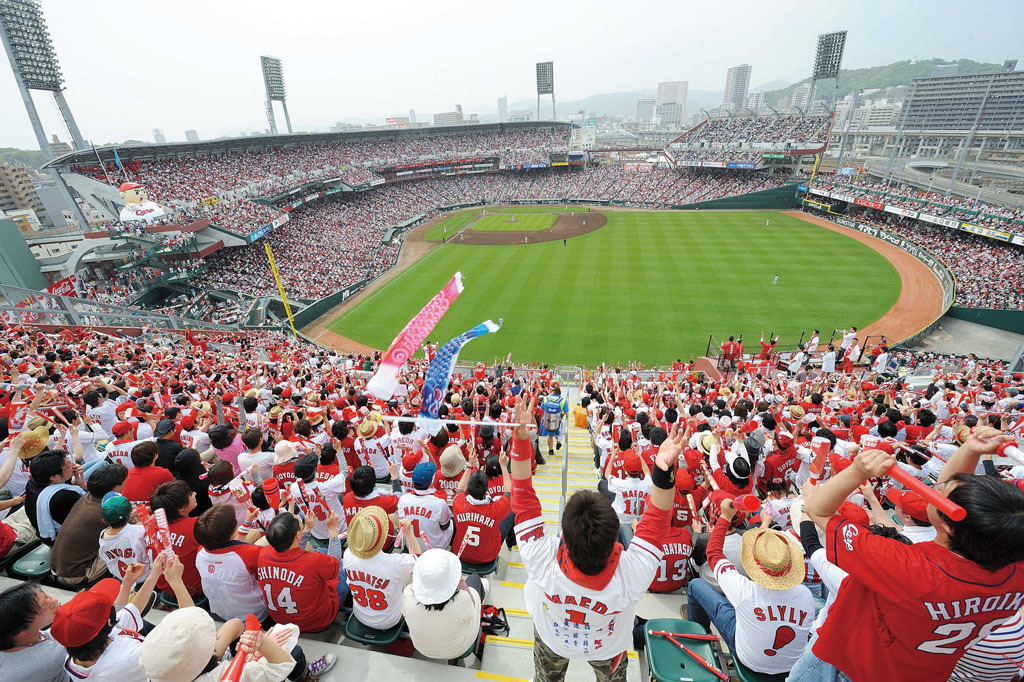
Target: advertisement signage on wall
[(860, 201), (713, 164), (936, 220), (899, 210), (984, 231), (745, 166), (65, 287)]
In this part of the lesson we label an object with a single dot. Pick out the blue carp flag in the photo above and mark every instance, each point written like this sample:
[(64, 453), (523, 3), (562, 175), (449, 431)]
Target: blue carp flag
[(440, 373), (117, 160)]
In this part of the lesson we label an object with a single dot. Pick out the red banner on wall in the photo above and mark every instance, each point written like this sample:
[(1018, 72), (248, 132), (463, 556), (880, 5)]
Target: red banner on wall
[(65, 287), (870, 204)]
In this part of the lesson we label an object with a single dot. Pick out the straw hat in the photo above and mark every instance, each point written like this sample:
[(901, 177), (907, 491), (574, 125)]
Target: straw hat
[(772, 559), (796, 411), (368, 532), (453, 462), (34, 442), (367, 428), (179, 647), (285, 451)]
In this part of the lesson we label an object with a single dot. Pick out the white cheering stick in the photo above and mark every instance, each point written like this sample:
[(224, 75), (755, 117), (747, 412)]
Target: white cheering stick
[(1012, 450)]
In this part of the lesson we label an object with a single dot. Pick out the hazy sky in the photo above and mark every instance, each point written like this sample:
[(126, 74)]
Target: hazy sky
[(133, 67)]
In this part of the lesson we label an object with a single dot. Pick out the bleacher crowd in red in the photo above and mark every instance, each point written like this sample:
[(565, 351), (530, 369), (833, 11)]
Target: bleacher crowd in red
[(278, 487), (745, 138)]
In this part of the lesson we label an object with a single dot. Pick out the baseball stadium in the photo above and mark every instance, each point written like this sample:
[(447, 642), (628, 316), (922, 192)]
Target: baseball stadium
[(735, 397)]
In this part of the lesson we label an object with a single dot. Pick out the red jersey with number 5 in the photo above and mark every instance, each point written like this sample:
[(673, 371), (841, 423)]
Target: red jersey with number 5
[(676, 549), (476, 527), (299, 587), (908, 612)]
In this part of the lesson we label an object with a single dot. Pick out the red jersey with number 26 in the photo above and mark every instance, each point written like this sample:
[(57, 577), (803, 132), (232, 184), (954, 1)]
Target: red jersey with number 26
[(908, 612), (299, 587)]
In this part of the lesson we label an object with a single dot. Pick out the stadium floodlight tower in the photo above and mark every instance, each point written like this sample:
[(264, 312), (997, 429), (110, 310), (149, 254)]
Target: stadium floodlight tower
[(26, 40), (828, 57), (273, 81), (546, 85)]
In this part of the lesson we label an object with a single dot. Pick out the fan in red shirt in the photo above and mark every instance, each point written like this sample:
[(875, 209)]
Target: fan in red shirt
[(478, 520), (144, 478), (676, 548), (486, 444), (364, 493), (301, 587), (177, 500), (909, 612)]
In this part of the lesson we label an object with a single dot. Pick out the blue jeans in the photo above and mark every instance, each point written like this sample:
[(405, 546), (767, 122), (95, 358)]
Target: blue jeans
[(706, 605), (810, 668)]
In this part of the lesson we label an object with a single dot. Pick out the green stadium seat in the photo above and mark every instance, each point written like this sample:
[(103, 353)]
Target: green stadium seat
[(11, 557), (480, 569), (363, 634), (747, 675), (469, 652), (168, 600), (76, 587), (34, 565), (669, 663)]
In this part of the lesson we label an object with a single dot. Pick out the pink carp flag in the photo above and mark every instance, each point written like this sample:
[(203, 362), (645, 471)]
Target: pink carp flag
[(408, 341)]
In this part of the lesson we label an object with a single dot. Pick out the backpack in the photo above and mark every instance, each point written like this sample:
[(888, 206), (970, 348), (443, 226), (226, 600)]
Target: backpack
[(552, 421), (493, 621)]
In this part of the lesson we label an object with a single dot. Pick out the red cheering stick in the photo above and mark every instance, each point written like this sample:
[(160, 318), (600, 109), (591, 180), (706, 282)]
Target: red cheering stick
[(686, 635), (694, 520), (747, 503), (693, 654), (272, 491), (163, 531), (943, 504), (707, 474), (149, 527), (821, 447), (237, 665), (1012, 450)]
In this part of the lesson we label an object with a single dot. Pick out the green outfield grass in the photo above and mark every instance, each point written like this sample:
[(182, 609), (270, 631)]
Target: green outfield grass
[(525, 222), (550, 208), (649, 286), (452, 224)]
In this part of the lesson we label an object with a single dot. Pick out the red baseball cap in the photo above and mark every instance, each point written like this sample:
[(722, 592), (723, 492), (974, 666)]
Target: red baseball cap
[(121, 428), (631, 463), (855, 513), (910, 502), (82, 618)]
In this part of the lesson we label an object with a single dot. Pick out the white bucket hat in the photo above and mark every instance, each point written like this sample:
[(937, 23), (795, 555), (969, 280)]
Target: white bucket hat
[(436, 576), (285, 451), (179, 647)]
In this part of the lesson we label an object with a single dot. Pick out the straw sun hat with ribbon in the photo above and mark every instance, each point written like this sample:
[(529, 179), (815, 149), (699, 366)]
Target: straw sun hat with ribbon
[(368, 532), (772, 559)]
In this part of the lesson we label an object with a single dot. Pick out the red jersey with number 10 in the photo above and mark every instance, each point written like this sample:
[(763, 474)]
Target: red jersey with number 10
[(908, 612)]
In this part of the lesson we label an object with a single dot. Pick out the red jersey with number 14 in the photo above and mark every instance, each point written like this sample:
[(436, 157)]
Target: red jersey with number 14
[(299, 587), (908, 612), (476, 527)]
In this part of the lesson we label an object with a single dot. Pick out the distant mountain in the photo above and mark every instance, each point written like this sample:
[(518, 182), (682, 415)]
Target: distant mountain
[(33, 158), (772, 85), (898, 73)]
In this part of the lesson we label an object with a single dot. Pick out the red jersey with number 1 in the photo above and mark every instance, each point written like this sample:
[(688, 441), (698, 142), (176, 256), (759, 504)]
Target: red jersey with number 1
[(908, 612), (476, 527), (299, 587)]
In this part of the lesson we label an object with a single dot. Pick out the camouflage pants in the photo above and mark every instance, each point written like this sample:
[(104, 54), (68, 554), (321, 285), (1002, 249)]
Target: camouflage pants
[(550, 667)]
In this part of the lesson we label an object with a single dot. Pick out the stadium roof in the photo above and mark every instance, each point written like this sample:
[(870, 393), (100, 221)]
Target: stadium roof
[(147, 151)]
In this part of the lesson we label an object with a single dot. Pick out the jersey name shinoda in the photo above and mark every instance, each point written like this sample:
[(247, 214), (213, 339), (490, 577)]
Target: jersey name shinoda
[(279, 573)]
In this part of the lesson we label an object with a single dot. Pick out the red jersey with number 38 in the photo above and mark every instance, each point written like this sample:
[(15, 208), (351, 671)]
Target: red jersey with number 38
[(908, 612)]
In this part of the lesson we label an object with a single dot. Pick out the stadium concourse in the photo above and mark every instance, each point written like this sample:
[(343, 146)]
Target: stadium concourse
[(232, 436)]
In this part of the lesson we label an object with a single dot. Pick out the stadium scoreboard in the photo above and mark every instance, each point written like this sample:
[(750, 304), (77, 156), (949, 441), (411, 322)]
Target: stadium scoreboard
[(545, 78)]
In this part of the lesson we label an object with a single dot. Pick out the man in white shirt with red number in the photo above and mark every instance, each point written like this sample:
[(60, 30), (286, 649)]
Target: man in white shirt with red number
[(582, 588)]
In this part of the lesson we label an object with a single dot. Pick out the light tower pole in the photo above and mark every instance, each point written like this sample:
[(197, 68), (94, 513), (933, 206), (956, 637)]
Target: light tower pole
[(26, 39), (273, 82)]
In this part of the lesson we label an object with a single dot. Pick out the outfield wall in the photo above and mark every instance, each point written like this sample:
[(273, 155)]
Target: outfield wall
[(775, 198), (938, 267), (1006, 320)]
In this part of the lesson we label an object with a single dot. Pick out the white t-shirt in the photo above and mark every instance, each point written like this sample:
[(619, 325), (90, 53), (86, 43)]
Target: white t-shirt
[(105, 414), (374, 452), (127, 547), (195, 439), (447, 633), (121, 453), (319, 494), (630, 497), (119, 662), (760, 613), (264, 462), (428, 513), (229, 584), (376, 585), (918, 534), (848, 339), (576, 621)]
